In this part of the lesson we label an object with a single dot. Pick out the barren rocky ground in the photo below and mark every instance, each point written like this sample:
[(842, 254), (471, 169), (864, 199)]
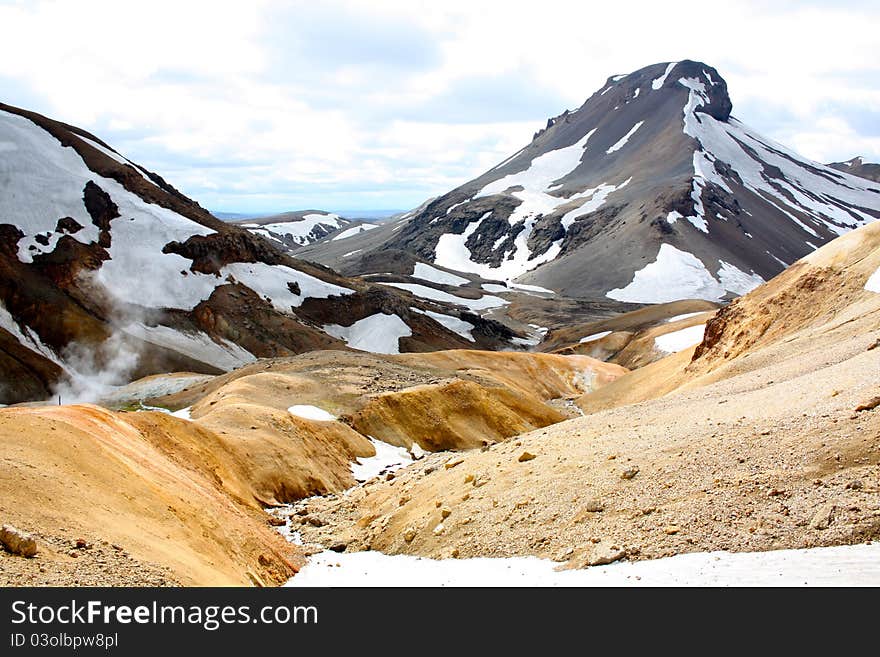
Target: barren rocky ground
[(772, 458), (61, 561)]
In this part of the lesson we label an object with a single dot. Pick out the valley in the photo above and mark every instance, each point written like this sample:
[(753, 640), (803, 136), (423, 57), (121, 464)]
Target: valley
[(651, 334)]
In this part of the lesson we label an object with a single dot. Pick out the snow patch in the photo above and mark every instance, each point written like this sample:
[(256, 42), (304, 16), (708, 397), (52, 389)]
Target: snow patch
[(355, 230), (275, 282), (622, 142), (594, 337), (197, 345), (873, 282), (379, 333), (429, 273), (806, 187), (454, 324), (113, 155), (597, 197), (844, 565), (736, 280), (676, 275), (302, 230), (26, 336), (309, 412), (388, 458), (183, 413), (658, 82), (680, 340), (485, 302), (534, 184), (677, 318), (523, 287)]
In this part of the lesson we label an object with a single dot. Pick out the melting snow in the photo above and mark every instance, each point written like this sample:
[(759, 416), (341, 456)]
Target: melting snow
[(680, 340), (429, 273), (155, 386), (43, 182), (596, 200), (737, 281), (355, 230), (454, 324), (658, 82), (379, 333), (46, 182), (636, 93), (781, 262), (26, 336), (543, 171), (300, 231), (485, 302), (388, 458), (309, 412), (221, 354), (274, 281), (494, 287), (530, 288), (594, 337), (183, 413), (674, 216), (803, 188), (845, 565), (622, 142), (873, 282), (676, 275), (685, 316), (535, 182), (455, 205)]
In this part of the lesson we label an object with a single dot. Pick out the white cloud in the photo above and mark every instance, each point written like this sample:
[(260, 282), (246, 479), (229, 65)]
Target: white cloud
[(273, 105)]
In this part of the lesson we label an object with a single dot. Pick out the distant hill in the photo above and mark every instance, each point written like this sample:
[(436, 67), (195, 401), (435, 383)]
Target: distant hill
[(858, 167)]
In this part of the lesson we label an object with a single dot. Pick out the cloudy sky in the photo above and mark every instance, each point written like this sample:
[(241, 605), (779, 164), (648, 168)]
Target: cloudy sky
[(264, 105)]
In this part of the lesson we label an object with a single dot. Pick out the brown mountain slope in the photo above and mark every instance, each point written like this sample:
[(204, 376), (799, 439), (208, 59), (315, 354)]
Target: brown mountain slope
[(152, 486), (141, 279), (818, 300), (184, 498), (768, 439)]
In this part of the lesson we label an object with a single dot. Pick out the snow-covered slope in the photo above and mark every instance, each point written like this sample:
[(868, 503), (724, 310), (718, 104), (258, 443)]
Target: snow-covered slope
[(107, 273), (296, 229), (649, 192)]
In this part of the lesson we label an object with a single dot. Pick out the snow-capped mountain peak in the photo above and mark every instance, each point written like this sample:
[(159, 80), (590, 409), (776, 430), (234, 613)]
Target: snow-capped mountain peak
[(652, 164)]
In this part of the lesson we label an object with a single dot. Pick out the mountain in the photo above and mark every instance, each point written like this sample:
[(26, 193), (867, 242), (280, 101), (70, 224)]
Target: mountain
[(296, 229), (651, 191), (858, 167), (108, 273), (761, 437)]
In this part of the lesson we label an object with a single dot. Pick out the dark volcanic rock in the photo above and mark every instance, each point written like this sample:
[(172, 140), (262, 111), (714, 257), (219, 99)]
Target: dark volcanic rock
[(99, 205), (68, 225), (210, 253)]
